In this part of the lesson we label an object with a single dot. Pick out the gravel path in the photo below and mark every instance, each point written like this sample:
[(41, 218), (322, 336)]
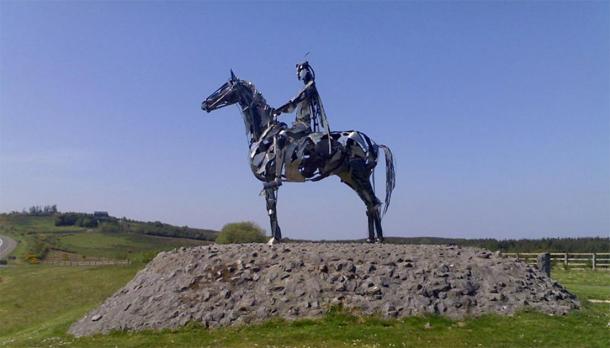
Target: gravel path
[(240, 284)]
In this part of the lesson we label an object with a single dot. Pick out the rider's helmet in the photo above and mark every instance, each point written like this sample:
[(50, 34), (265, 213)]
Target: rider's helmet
[(305, 72)]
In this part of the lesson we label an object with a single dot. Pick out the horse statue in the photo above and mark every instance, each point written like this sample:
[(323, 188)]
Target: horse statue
[(277, 158)]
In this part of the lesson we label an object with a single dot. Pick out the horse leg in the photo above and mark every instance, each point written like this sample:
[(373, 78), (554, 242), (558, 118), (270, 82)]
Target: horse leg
[(271, 198), (373, 214), (358, 179), (371, 220), (377, 218)]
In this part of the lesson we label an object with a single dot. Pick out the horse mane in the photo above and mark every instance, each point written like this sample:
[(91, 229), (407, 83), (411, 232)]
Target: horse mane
[(257, 114)]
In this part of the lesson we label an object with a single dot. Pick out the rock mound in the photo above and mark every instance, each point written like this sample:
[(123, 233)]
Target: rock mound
[(235, 284)]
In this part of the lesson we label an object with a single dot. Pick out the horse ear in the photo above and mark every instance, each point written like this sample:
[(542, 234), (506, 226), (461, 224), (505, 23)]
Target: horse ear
[(233, 77)]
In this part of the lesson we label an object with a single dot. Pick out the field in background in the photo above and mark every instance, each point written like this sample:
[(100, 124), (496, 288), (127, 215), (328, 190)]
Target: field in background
[(39, 302), (123, 238), (38, 235), (120, 246)]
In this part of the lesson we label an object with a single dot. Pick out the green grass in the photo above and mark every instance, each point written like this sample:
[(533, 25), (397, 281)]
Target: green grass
[(586, 284), (35, 297), (119, 246), (38, 304), (34, 224), (28, 230)]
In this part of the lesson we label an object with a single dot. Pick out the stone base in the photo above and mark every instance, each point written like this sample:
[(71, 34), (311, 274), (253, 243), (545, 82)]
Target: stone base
[(222, 285)]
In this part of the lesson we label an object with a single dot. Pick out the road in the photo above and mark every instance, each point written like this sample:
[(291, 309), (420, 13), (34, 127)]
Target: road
[(6, 246)]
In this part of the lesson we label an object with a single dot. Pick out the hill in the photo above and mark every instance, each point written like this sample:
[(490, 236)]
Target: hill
[(87, 236)]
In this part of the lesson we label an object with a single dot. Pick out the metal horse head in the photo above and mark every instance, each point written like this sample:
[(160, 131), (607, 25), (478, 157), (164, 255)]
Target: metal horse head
[(223, 96), (257, 114)]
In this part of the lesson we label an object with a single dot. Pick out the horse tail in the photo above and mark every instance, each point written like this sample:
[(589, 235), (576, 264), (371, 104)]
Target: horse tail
[(390, 177)]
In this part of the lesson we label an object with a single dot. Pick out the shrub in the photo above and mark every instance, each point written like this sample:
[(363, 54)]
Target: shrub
[(86, 221), (37, 250), (76, 219), (110, 227), (241, 232), (33, 259), (68, 219)]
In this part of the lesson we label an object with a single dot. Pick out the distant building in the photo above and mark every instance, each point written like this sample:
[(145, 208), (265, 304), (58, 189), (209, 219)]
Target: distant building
[(100, 214)]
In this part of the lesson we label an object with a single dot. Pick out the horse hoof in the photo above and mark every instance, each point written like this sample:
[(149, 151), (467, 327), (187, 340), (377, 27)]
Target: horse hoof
[(370, 241), (271, 241), (379, 240)]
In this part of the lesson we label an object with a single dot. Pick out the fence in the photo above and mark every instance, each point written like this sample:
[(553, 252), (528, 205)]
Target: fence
[(594, 261), (88, 263)]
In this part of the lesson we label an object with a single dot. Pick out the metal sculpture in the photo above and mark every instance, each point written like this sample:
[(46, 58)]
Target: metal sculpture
[(310, 112), (279, 154)]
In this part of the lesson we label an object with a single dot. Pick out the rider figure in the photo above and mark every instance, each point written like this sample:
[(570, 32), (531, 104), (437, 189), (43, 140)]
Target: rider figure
[(310, 115)]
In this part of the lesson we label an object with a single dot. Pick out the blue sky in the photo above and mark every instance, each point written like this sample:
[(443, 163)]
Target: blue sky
[(498, 114)]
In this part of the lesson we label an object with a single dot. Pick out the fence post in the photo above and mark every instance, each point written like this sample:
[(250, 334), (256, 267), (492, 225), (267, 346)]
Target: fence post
[(544, 263), (593, 262), (565, 259)]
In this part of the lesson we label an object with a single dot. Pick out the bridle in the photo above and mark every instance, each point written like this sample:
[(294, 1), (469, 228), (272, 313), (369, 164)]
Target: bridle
[(222, 96)]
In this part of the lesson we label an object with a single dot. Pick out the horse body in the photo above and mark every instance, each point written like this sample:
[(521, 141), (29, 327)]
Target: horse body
[(300, 163), (276, 157)]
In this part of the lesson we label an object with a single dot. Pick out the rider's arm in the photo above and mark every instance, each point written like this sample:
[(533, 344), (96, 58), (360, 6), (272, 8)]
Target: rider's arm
[(292, 103), (286, 108)]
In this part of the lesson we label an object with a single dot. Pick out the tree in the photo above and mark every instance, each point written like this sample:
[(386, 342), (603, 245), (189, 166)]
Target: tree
[(67, 219), (110, 227), (241, 232), (35, 210), (86, 221)]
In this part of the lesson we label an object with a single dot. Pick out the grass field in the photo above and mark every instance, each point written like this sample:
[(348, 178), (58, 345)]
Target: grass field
[(34, 224), (29, 230), (38, 304), (119, 246), (32, 297)]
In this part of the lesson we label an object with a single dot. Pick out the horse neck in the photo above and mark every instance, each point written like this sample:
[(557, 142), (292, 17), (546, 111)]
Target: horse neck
[(256, 113)]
